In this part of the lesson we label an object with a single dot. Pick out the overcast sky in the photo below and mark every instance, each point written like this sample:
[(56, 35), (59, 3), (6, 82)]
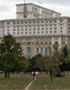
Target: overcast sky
[(8, 7)]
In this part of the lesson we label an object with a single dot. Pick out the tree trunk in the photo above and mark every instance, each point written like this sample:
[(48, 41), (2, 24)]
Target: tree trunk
[(51, 76), (5, 75), (46, 73), (68, 72), (8, 75)]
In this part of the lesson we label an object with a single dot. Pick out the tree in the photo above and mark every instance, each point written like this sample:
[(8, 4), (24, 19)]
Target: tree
[(25, 65), (66, 55), (38, 63), (41, 63), (67, 64), (65, 50), (10, 55), (32, 64), (53, 62)]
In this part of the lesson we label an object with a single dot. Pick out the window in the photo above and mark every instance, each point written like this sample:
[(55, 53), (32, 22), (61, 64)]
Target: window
[(25, 29), (37, 32), (50, 21), (25, 25), (17, 32), (18, 23), (50, 50), (55, 25), (34, 28), (38, 28), (29, 50), (61, 27), (46, 51), (22, 29), (17, 29), (25, 22), (30, 22), (29, 25), (29, 43), (8, 23), (63, 43), (33, 25), (51, 25), (42, 32), (61, 31), (29, 32), (41, 50), (13, 32), (37, 21), (30, 29), (25, 32), (56, 43), (37, 50), (50, 28), (61, 20), (21, 32), (41, 43), (50, 31), (46, 28), (8, 30), (55, 28), (54, 31), (42, 28), (46, 43), (49, 43), (46, 31), (33, 32)]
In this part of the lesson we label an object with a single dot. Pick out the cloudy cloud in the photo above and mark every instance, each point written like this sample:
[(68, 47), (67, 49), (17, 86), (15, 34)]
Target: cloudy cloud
[(3, 8), (8, 9)]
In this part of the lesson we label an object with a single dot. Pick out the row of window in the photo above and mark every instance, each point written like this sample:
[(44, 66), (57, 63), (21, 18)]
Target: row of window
[(36, 25), (33, 22), (36, 43), (27, 29), (36, 28), (38, 50), (14, 33)]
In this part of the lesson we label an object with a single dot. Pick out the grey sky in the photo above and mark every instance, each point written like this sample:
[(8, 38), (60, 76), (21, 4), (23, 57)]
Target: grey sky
[(8, 7)]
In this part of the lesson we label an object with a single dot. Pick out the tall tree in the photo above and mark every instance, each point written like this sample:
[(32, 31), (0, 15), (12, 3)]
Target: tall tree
[(65, 50), (10, 55)]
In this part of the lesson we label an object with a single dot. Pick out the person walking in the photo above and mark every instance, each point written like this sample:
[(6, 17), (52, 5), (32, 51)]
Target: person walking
[(34, 75)]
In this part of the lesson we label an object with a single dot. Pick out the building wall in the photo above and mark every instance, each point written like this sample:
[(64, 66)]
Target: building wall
[(35, 27), (37, 35), (34, 11), (41, 44)]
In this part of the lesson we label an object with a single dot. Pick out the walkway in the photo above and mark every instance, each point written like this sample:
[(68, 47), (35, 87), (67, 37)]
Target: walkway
[(27, 88)]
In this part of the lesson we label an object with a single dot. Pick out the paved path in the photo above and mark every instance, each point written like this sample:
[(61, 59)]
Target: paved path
[(27, 88)]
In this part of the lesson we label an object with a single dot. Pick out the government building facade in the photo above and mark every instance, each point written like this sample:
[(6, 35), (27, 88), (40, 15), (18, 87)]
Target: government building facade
[(37, 29)]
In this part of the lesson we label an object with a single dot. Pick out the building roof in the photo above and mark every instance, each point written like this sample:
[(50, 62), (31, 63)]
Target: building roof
[(39, 7), (34, 19)]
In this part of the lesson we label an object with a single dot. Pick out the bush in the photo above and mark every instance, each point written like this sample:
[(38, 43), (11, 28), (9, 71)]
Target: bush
[(57, 72)]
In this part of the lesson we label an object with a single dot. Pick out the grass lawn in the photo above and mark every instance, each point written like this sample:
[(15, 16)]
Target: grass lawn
[(17, 82), (43, 83), (20, 81)]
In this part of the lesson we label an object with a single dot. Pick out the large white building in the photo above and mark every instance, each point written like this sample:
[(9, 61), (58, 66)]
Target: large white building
[(34, 11), (38, 31)]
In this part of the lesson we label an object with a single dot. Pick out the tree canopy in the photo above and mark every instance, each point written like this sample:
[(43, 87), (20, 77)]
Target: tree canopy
[(11, 56)]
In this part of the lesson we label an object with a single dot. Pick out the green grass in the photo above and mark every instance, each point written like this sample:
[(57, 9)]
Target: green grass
[(43, 83), (17, 82), (20, 81)]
